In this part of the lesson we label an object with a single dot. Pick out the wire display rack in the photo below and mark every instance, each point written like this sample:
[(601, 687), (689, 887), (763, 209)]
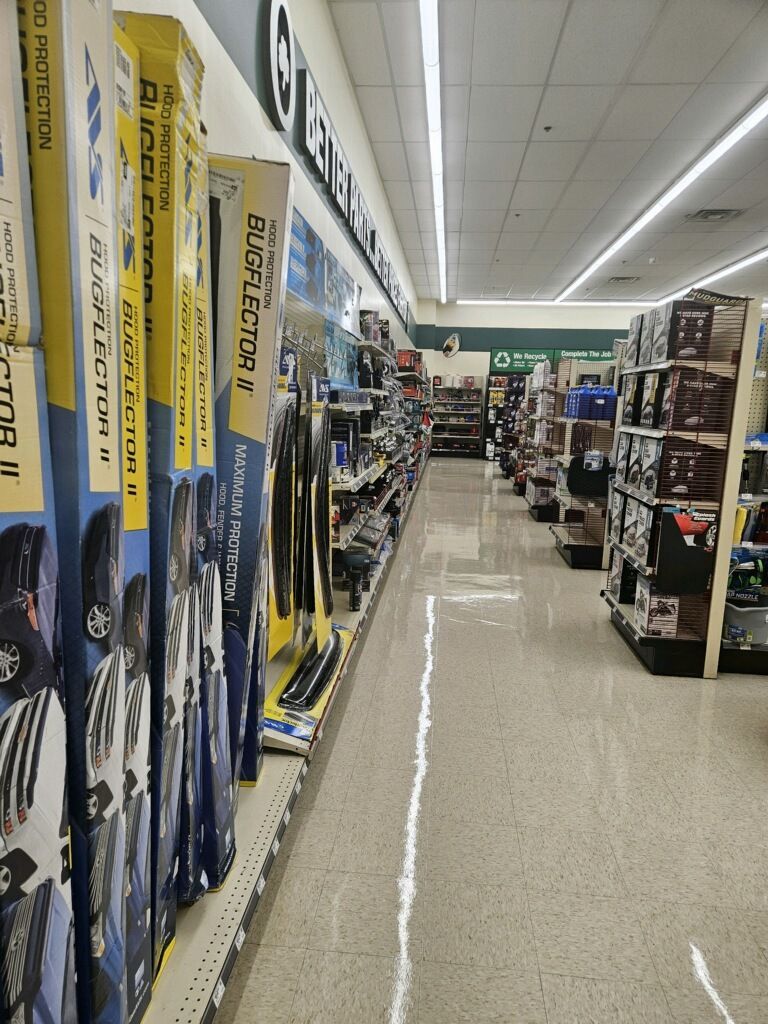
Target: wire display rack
[(671, 456)]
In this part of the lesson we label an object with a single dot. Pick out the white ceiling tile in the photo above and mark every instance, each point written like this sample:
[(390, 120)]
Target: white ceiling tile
[(745, 60), (514, 40), (483, 220), (601, 38), (412, 105), (610, 161), (494, 161), (644, 111), (456, 27), (586, 195), (355, 21), (422, 195), (390, 157), (690, 37), (479, 240), (453, 160), (471, 259), (569, 220), (556, 241), (410, 239), (380, 113), (425, 219), (744, 160), (455, 112), (414, 255), (401, 28), (526, 220), (502, 113), (487, 195), (712, 109), (666, 158), (536, 195), (418, 161), (454, 195), (551, 161), (400, 196), (572, 112), (634, 195), (452, 220), (517, 241)]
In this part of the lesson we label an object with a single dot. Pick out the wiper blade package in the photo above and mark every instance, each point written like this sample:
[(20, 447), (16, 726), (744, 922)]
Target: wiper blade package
[(133, 366), (251, 203), (218, 828), (19, 299), (70, 125), (169, 104), (37, 976)]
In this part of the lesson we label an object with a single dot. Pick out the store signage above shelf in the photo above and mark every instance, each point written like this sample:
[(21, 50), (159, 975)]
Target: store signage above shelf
[(515, 360), (320, 144)]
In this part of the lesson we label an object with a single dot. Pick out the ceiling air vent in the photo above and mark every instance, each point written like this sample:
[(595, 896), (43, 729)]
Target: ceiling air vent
[(707, 216), (622, 280)]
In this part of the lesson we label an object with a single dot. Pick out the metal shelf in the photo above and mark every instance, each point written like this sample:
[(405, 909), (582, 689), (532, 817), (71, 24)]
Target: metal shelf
[(457, 401), (459, 437), (372, 473), (649, 499), (645, 570), (373, 434), (412, 375), (349, 407), (347, 534)]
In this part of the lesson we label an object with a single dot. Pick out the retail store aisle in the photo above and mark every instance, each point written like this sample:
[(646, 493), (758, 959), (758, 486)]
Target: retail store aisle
[(509, 819)]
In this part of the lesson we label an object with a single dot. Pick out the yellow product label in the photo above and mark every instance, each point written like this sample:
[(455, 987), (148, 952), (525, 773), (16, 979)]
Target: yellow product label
[(21, 466), (255, 198), (169, 99), (17, 272), (204, 440), (40, 36), (130, 277)]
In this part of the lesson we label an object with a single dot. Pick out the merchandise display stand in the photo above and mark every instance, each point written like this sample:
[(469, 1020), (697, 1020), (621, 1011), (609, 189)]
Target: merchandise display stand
[(513, 422), (495, 395), (540, 466), (458, 420), (678, 462)]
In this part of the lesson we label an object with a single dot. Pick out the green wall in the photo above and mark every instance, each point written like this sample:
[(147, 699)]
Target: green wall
[(483, 339)]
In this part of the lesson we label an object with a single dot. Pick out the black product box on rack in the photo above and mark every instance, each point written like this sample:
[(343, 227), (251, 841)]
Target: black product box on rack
[(697, 401), (633, 340), (622, 579), (629, 530), (691, 470), (622, 454), (70, 128), (617, 515), (650, 465), (633, 397), (682, 329), (686, 550), (646, 339), (644, 534), (36, 931), (656, 613), (650, 407), (635, 460)]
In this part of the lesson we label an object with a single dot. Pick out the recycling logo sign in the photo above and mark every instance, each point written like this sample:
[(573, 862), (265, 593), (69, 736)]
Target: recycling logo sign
[(501, 360)]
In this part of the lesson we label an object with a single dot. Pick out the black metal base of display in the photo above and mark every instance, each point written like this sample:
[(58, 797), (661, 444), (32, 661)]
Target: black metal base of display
[(580, 556), (663, 657), (737, 659), (543, 513), (473, 453)]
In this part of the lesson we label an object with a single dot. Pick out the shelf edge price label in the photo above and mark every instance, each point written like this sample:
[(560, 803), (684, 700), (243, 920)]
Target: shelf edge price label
[(260, 883), (239, 938), (218, 993)]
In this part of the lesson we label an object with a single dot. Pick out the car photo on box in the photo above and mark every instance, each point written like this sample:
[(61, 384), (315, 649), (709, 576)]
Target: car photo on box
[(180, 536), (205, 541), (137, 886), (103, 576), (105, 737), (38, 960), (105, 896), (29, 613), (136, 626), (33, 834)]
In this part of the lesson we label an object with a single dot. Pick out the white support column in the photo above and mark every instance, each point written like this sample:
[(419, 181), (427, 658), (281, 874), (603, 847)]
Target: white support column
[(731, 487)]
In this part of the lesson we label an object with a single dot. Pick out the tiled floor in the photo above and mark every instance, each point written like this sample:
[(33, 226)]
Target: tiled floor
[(509, 820)]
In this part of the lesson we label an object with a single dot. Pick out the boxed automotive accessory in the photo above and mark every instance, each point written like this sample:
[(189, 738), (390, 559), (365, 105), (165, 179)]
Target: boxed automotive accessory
[(35, 893), (622, 454), (370, 329), (629, 530), (632, 350), (645, 349), (697, 400), (650, 408), (19, 299), (622, 579), (282, 491), (644, 534), (633, 398), (250, 211), (691, 470), (682, 329), (133, 386), (617, 515), (686, 550), (635, 460), (656, 613), (218, 825), (169, 103), (650, 465), (70, 127)]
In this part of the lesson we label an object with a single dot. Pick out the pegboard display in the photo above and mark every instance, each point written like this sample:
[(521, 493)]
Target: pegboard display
[(758, 399)]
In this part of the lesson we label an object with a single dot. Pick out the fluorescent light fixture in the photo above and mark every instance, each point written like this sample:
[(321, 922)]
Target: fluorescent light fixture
[(550, 302), (430, 52), (732, 268), (751, 120)]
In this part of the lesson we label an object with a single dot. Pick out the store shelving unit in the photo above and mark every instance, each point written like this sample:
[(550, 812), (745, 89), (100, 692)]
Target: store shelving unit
[(495, 395), (512, 424), (539, 469), (458, 420), (679, 452)]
